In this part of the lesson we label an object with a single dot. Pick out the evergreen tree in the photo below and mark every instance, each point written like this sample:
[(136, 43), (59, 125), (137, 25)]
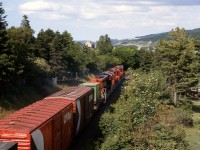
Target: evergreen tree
[(43, 43), (146, 59), (104, 44), (3, 25), (6, 55), (21, 44), (178, 60), (56, 61), (28, 32), (25, 23)]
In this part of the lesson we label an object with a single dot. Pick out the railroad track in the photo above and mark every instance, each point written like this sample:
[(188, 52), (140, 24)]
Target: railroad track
[(86, 138)]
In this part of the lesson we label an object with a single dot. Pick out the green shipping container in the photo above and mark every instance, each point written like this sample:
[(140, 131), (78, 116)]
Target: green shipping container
[(96, 88)]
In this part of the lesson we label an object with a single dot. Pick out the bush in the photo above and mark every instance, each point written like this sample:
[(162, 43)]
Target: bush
[(186, 105), (139, 101), (184, 118), (139, 120)]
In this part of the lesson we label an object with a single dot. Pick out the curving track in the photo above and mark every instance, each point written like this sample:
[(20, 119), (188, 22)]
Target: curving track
[(85, 139)]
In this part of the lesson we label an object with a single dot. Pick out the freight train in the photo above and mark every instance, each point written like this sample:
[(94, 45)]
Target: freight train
[(51, 123)]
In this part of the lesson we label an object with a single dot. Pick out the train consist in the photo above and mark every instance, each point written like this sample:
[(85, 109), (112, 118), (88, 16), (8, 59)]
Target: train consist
[(51, 123)]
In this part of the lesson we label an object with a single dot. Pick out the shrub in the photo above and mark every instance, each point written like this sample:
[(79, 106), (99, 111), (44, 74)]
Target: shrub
[(184, 118), (139, 120)]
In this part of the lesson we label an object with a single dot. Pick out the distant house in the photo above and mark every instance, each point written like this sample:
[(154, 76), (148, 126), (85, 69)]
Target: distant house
[(89, 44)]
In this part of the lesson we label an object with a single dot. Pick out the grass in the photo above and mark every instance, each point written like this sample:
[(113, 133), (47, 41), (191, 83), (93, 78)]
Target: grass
[(25, 96), (193, 134)]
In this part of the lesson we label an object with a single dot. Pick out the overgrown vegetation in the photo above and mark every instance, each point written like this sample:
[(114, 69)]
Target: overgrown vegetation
[(142, 118)]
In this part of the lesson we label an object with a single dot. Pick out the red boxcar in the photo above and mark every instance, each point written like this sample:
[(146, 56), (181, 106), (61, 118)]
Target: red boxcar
[(83, 103), (44, 125)]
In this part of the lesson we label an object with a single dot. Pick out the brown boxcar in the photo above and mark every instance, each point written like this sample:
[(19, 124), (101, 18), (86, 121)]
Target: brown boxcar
[(44, 125), (83, 102)]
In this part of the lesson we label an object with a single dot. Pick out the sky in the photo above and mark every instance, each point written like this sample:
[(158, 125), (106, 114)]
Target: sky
[(89, 19)]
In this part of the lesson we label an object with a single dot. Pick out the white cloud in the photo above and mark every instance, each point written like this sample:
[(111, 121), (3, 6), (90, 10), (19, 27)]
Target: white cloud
[(34, 6), (86, 9), (151, 15)]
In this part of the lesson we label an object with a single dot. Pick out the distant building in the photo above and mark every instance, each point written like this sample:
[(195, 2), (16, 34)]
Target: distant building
[(89, 44)]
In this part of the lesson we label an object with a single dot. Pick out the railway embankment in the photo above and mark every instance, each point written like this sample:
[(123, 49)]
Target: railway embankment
[(27, 95)]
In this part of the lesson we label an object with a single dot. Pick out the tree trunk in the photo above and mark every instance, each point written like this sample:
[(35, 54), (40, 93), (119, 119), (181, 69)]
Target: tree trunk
[(175, 99)]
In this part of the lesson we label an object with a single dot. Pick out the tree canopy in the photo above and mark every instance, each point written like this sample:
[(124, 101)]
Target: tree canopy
[(177, 57), (104, 44)]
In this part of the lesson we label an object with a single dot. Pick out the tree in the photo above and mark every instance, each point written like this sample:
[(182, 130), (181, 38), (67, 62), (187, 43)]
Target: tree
[(3, 25), (21, 44), (42, 44), (177, 57), (104, 44), (56, 61), (197, 50), (28, 32), (145, 59), (6, 55), (128, 56), (25, 23)]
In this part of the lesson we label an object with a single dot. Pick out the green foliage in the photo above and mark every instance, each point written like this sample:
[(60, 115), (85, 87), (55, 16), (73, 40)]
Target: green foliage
[(3, 25), (43, 43), (133, 122), (43, 67), (168, 137), (128, 56), (104, 45), (146, 59), (56, 61), (105, 61), (6, 55), (184, 118), (178, 59), (137, 104)]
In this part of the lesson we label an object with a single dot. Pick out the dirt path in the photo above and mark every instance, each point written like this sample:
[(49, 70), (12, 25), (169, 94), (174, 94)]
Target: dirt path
[(193, 134), (87, 136)]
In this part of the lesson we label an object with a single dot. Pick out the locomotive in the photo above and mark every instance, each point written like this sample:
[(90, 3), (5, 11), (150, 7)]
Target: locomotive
[(52, 123)]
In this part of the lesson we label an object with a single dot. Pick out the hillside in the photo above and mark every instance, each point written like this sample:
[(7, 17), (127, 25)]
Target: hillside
[(150, 40)]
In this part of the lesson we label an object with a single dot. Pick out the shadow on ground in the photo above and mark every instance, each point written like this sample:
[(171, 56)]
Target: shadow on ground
[(196, 108)]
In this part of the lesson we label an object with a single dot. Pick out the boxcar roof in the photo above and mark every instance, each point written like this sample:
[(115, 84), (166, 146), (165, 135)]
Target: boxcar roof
[(90, 83), (31, 117), (101, 76), (71, 92)]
